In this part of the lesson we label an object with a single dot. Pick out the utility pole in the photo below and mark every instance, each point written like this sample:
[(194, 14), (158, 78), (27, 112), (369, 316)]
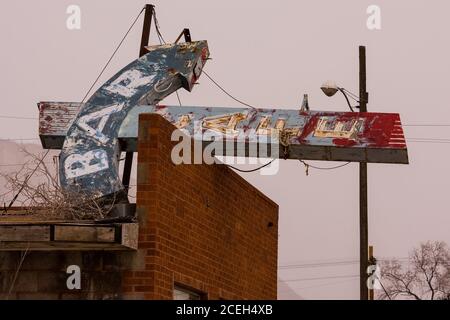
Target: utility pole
[(144, 42), (363, 211), (371, 262)]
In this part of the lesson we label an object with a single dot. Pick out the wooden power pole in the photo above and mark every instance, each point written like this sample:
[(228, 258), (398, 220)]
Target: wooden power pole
[(371, 262), (144, 42), (363, 211)]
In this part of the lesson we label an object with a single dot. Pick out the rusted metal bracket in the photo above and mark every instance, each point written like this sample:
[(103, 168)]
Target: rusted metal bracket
[(187, 35), (149, 8)]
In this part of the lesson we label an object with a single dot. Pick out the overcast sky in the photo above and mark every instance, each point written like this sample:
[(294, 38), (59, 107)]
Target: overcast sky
[(268, 53)]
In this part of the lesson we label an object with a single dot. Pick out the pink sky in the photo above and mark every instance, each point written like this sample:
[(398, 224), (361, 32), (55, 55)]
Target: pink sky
[(268, 53)]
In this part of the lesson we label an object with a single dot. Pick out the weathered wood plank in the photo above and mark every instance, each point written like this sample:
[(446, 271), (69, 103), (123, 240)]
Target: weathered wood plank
[(24, 233), (84, 233), (61, 246), (69, 237), (129, 236)]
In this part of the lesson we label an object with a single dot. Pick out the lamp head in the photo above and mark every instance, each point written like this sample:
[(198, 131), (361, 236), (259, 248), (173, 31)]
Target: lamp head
[(329, 88)]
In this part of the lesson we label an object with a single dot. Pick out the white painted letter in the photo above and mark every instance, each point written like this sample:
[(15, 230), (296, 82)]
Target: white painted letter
[(77, 165), (103, 115)]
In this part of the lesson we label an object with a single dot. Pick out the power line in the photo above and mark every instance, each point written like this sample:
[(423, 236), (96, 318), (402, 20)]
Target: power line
[(426, 125), (239, 101), (18, 118), (428, 141), (324, 168), (17, 164), (435, 139), (226, 92), (316, 286), (314, 265), (161, 41), (19, 139), (322, 278), (404, 125), (251, 170), (413, 140), (326, 263), (178, 97), (113, 54), (157, 27)]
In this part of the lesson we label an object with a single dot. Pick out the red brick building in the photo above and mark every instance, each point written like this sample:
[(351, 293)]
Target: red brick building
[(204, 233)]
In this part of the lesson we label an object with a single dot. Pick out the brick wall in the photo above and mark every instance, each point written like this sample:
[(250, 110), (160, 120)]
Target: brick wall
[(201, 227), (42, 275)]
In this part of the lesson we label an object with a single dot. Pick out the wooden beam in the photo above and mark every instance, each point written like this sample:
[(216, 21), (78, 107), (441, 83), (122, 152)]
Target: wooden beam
[(47, 236), (24, 233), (84, 233)]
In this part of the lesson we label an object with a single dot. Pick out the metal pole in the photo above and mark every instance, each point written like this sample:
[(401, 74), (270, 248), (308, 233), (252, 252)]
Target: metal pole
[(371, 261), (144, 42), (363, 212), (146, 28)]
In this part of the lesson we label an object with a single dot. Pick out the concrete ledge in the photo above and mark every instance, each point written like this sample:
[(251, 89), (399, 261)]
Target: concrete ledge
[(47, 236)]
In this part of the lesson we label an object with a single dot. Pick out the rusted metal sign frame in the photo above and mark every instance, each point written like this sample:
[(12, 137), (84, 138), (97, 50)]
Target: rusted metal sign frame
[(91, 150), (95, 133), (315, 135)]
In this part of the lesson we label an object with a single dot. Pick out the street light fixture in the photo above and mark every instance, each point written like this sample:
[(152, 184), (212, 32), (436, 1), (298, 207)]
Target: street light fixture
[(330, 88)]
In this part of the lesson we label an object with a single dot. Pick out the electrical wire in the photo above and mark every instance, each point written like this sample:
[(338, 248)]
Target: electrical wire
[(409, 140), (178, 97), (426, 125), (352, 95), (19, 139), (403, 125), (324, 168), (315, 286), (157, 27), (113, 54), (162, 41), (18, 118), (315, 265), (333, 263), (17, 164), (432, 139), (426, 141), (252, 170), (226, 92), (322, 278)]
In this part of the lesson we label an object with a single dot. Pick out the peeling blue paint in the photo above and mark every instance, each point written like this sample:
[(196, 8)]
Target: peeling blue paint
[(89, 158)]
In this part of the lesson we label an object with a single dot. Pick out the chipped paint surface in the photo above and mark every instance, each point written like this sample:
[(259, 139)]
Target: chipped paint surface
[(314, 128), (56, 117), (314, 135), (90, 153)]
